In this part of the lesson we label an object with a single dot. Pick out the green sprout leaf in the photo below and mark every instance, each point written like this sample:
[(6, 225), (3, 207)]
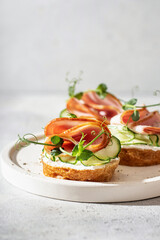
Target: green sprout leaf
[(57, 140), (85, 155), (135, 116), (55, 152), (156, 92), (101, 90), (75, 150), (78, 95), (80, 152), (130, 104), (71, 90), (132, 101), (72, 85), (126, 107), (28, 141)]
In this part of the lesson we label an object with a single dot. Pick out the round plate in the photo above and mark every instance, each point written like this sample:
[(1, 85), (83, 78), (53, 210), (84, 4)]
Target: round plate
[(21, 166)]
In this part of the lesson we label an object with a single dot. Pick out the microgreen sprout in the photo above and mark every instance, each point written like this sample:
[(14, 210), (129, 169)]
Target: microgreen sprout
[(56, 141), (55, 152), (131, 105), (155, 93), (72, 86), (80, 151), (101, 90)]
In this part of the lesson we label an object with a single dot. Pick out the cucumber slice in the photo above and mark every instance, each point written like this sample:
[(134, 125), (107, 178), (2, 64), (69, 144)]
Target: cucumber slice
[(64, 113), (154, 139), (135, 141), (111, 151), (93, 161), (101, 157), (143, 137), (68, 159), (121, 132), (158, 141), (49, 156)]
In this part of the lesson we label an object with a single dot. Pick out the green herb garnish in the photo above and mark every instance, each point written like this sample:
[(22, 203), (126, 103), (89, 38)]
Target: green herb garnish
[(57, 141), (72, 86), (28, 142), (131, 105), (55, 152), (79, 151), (78, 95), (101, 90), (85, 155), (156, 92), (135, 116)]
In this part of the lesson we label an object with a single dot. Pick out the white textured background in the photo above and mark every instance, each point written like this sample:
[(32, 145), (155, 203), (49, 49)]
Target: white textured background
[(112, 41), (117, 42)]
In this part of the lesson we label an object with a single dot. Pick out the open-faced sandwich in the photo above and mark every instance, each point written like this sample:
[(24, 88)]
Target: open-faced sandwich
[(137, 130), (80, 149), (84, 144), (139, 134)]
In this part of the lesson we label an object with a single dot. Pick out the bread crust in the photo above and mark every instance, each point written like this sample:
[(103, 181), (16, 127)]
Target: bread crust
[(96, 175), (139, 157)]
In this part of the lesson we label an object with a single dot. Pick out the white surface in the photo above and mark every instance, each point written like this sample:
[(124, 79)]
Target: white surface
[(23, 169), (116, 42), (27, 216)]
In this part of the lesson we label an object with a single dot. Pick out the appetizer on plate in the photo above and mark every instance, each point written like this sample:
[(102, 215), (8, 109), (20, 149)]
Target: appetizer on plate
[(139, 136), (80, 149), (84, 144)]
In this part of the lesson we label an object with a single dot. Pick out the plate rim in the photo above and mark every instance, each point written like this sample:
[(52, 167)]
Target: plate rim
[(6, 162)]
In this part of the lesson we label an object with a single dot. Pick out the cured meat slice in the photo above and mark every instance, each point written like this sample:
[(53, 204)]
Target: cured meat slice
[(71, 130), (148, 123), (92, 99), (92, 105), (80, 109)]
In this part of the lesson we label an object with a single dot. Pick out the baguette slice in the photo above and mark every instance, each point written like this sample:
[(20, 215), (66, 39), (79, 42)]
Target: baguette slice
[(102, 173), (139, 155)]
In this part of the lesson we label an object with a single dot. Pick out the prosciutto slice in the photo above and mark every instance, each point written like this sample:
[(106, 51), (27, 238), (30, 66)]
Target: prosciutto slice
[(92, 105), (71, 129), (149, 122), (81, 109), (93, 100)]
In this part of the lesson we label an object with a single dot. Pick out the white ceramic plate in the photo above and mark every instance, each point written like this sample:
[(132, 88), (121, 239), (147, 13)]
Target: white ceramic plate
[(22, 168)]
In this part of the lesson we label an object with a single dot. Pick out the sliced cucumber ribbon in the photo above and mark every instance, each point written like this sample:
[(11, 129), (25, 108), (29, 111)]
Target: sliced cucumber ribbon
[(121, 132), (127, 137), (101, 157)]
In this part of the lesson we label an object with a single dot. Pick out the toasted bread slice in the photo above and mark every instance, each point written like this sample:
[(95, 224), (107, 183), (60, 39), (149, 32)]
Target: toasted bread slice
[(139, 155), (102, 173)]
